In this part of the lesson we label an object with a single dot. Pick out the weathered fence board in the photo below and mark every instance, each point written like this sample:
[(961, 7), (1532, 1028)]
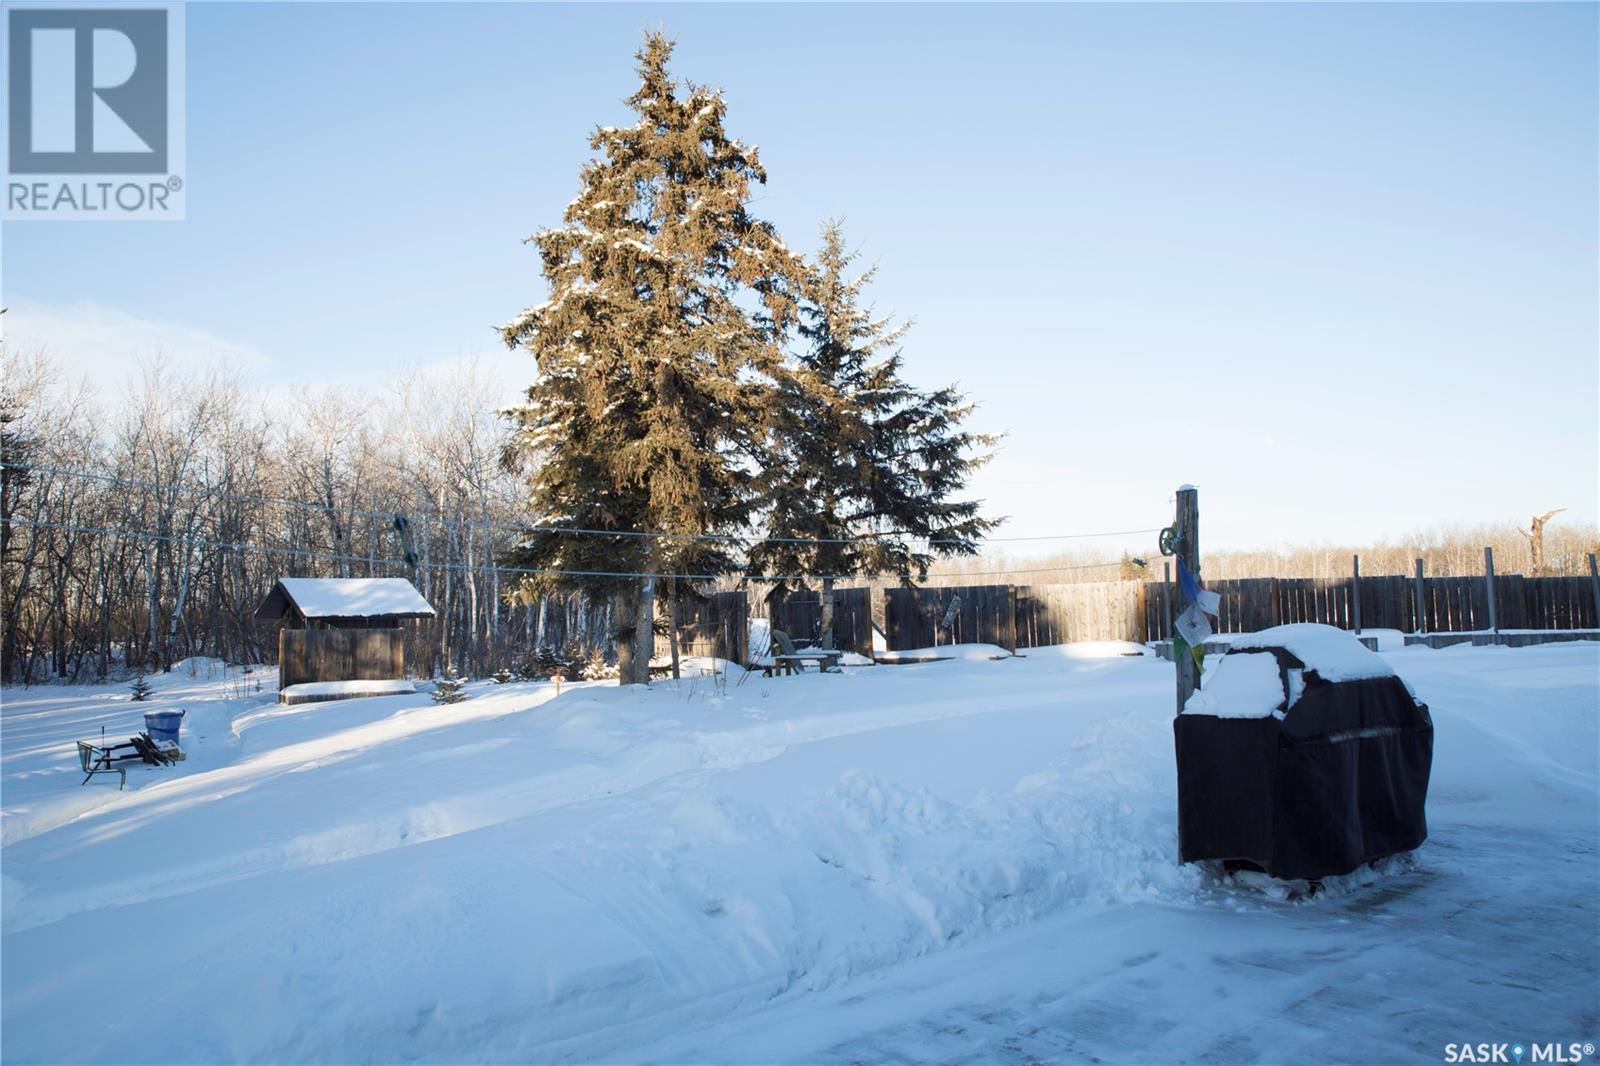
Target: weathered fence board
[(1031, 615), (718, 624), (977, 614), (800, 615)]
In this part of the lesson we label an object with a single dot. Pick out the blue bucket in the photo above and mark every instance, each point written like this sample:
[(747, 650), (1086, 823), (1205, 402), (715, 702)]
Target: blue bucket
[(163, 725)]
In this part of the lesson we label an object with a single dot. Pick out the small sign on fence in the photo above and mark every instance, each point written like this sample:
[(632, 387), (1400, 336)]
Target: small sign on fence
[(950, 612)]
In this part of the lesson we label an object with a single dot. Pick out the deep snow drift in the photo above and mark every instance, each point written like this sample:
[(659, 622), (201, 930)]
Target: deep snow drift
[(968, 858)]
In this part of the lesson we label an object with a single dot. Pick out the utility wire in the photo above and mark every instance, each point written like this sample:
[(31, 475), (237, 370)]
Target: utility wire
[(308, 553), (561, 530)]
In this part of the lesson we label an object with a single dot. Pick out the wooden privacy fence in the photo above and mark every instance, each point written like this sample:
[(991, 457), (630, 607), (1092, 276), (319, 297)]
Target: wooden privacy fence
[(800, 616), (1030, 616), (719, 624), (967, 614), (1099, 610), (1014, 616), (1544, 603), (1449, 604), (340, 655)]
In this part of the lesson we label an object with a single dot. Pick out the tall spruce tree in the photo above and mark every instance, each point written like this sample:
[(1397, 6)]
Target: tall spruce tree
[(863, 467), (668, 302)]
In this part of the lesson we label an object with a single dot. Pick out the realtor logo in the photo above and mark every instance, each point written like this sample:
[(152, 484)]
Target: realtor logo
[(88, 92), (94, 93)]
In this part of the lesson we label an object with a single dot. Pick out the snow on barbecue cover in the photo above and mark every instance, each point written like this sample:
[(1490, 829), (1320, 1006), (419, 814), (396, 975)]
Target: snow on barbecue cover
[(1304, 754)]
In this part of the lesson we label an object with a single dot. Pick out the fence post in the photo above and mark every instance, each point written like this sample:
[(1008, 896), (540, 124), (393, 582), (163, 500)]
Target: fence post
[(1422, 609), (1188, 548), (672, 625), (1011, 615), (1594, 586), (1355, 592), (1488, 585), (826, 603)]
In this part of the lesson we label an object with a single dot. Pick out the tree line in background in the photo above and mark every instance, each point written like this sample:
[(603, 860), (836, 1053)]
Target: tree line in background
[(169, 545), (1446, 551), (137, 567)]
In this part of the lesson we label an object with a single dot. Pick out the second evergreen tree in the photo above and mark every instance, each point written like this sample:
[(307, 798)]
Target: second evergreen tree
[(863, 469)]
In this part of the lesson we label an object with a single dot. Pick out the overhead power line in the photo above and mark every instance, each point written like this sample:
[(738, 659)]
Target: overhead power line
[(308, 553), (524, 530)]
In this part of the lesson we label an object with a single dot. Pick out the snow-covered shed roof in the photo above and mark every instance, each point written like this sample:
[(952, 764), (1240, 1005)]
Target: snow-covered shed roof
[(345, 597)]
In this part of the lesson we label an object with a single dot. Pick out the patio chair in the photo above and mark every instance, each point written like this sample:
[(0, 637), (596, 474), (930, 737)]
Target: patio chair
[(97, 759)]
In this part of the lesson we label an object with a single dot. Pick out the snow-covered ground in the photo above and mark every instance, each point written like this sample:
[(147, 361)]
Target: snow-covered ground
[(967, 860)]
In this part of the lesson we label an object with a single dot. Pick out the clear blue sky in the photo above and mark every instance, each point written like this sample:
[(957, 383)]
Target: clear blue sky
[(1334, 264)]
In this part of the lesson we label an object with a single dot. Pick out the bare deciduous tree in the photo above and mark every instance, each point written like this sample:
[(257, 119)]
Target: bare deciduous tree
[(144, 530), (1535, 537)]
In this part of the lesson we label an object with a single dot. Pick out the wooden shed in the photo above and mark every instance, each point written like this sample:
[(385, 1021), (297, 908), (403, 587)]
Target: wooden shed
[(341, 637)]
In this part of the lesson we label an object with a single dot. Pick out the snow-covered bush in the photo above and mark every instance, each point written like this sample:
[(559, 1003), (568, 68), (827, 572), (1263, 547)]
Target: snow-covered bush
[(598, 668), (448, 689), (545, 662)]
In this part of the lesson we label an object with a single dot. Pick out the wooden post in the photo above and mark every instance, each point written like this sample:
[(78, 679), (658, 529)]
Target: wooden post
[(1011, 615), (1488, 587), (1422, 603), (647, 632), (672, 623), (827, 613), (1355, 592), (1188, 550), (1594, 587)]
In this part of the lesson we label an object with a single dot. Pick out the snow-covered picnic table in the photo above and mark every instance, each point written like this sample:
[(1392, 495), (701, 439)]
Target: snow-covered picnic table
[(98, 755), (827, 660)]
